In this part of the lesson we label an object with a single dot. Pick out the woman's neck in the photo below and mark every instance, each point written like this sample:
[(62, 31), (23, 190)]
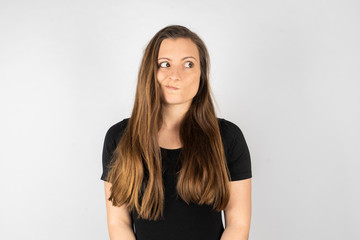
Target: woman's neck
[(172, 116)]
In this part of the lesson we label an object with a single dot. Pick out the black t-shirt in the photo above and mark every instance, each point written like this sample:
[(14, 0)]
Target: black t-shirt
[(183, 221)]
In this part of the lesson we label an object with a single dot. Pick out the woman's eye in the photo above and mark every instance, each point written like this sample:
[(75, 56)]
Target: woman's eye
[(189, 64), (164, 64)]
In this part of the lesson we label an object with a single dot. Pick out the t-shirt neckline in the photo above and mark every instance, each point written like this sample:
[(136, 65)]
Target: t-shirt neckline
[(168, 149)]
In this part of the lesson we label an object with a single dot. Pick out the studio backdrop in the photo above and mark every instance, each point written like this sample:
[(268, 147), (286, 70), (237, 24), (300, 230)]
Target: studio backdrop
[(286, 72)]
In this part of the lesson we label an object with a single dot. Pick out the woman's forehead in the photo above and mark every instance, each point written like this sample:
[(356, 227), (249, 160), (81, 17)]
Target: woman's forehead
[(178, 49)]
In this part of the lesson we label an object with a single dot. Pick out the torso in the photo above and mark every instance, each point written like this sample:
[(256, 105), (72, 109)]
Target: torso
[(181, 220)]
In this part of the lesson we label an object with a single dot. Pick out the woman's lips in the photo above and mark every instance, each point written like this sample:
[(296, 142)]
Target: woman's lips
[(172, 88)]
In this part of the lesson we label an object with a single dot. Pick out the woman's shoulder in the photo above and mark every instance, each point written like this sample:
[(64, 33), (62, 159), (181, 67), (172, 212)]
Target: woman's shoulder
[(117, 130), (228, 128), (230, 132), (226, 123), (236, 150)]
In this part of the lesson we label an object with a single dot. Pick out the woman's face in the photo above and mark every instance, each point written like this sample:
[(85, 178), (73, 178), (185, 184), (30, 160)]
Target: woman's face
[(179, 71)]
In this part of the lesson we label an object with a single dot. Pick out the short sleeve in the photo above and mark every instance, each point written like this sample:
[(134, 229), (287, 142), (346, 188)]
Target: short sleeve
[(112, 138), (236, 151)]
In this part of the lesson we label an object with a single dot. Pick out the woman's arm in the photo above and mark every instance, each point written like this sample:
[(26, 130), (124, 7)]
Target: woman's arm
[(238, 211), (118, 219)]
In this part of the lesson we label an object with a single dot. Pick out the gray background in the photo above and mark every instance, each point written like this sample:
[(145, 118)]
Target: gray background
[(286, 72)]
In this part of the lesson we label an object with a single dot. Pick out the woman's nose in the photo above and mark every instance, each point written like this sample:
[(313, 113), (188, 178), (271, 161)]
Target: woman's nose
[(175, 73)]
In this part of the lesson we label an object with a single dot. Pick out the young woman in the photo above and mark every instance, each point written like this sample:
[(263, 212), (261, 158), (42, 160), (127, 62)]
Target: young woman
[(173, 166)]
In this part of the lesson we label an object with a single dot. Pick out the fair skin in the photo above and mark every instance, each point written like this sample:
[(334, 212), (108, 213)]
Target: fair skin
[(118, 219), (179, 78), (238, 211)]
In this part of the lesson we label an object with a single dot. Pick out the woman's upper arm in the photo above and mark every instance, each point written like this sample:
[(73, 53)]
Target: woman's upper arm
[(116, 215), (238, 210)]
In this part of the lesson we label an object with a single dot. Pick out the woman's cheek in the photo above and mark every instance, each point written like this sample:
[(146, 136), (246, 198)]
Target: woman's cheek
[(161, 76)]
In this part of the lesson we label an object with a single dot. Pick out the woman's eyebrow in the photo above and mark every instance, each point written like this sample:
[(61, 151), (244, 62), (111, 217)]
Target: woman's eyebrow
[(181, 59)]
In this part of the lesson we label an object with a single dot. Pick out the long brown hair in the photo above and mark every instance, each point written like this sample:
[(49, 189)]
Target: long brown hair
[(136, 169)]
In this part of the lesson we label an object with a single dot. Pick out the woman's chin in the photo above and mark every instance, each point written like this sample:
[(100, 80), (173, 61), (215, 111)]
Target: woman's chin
[(176, 102)]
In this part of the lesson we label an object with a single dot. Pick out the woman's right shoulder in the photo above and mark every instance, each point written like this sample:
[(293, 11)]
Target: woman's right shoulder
[(116, 131), (112, 138)]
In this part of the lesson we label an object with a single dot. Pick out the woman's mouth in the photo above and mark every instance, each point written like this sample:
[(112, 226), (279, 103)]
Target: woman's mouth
[(172, 88)]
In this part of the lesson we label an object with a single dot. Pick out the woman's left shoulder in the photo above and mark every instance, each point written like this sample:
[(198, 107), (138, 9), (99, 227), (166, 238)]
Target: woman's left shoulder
[(229, 129), (231, 133), (236, 150)]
